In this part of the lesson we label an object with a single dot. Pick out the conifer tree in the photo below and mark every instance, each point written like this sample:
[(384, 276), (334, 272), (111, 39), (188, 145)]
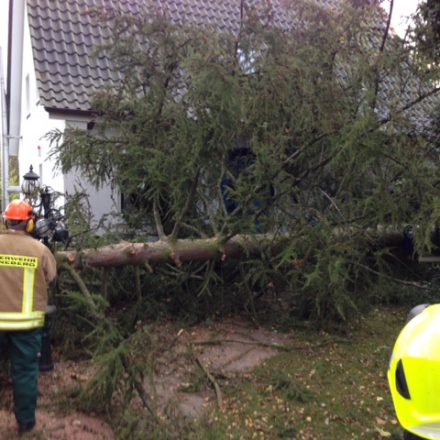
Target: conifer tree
[(316, 135), (427, 30)]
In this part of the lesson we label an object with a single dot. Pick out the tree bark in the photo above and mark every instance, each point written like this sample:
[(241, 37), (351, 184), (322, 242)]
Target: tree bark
[(184, 250)]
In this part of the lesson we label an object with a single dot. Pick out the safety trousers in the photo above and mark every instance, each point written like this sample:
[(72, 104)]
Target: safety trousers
[(23, 348)]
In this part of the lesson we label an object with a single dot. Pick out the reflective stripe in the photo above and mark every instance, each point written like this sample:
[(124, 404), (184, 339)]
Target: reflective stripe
[(28, 290), (428, 430), (17, 316), (27, 318), (21, 321), (22, 325)]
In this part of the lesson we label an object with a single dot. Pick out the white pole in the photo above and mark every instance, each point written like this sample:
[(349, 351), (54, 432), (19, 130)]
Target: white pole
[(4, 139), (16, 71)]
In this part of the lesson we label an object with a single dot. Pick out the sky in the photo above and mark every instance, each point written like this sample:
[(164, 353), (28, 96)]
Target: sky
[(402, 8)]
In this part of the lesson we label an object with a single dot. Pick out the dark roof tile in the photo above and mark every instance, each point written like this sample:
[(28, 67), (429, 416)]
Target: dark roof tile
[(64, 36)]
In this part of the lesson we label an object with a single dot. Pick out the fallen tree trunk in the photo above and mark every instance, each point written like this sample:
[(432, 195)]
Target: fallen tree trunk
[(184, 250), (178, 251)]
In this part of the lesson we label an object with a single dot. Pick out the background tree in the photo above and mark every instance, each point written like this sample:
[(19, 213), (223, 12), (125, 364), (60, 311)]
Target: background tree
[(427, 30), (316, 134)]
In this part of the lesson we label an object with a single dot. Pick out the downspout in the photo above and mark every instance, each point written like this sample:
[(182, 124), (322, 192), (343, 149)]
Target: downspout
[(15, 74), (3, 139)]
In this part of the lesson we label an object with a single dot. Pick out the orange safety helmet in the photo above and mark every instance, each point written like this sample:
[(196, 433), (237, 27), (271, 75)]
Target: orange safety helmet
[(18, 210)]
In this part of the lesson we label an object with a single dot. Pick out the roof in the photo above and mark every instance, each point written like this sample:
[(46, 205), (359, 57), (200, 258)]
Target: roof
[(64, 36)]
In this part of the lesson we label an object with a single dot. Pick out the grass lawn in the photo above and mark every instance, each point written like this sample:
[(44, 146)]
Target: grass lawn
[(327, 387), (322, 387)]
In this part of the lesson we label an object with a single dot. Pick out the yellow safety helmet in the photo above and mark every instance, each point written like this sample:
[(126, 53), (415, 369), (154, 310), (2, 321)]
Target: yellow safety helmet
[(414, 374)]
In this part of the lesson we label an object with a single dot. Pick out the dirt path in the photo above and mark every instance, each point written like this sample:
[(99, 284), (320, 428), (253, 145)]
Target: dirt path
[(51, 424), (228, 348)]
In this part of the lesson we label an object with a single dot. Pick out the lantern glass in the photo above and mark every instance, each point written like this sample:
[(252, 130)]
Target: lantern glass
[(31, 183)]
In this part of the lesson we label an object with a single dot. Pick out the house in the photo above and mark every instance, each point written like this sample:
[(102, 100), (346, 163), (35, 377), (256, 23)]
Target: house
[(59, 74), (52, 88)]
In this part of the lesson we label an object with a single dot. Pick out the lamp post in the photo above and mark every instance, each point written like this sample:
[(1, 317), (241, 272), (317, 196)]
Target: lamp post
[(31, 184), (31, 189), (39, 196)]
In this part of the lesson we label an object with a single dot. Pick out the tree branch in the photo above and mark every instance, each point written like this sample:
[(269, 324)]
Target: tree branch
[(419, 99), (185, 209), (158, 222), (244, 342), (212, 221), (381, 51), (214, 383), (83, 288), (387, 28)]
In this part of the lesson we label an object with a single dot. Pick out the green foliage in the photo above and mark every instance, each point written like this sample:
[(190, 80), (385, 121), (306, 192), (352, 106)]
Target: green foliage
[(301, 132), (427, 31), (282, 381), (120, 368)]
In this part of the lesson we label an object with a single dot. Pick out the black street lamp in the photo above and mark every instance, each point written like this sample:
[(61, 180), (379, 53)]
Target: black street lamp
[(31, 189), (31, 184)]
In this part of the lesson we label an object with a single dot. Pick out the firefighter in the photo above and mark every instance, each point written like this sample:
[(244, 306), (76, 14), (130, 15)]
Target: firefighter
[(26, 269), (414, 374)]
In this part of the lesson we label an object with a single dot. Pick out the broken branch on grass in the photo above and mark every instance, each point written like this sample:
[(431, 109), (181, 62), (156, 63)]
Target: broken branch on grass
[(280, 347), (141, 392), (396, 280), (239, 341), (214, 383)]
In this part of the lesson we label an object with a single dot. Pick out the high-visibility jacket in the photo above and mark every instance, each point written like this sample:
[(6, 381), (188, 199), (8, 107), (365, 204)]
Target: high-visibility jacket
[(26, 269)]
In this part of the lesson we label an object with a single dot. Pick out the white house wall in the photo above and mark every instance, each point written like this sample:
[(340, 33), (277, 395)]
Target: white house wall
[(34, 149), (35, 124), (104, 201)]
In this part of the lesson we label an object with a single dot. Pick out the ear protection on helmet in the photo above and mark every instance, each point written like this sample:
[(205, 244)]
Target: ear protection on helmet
[(30, 225)]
